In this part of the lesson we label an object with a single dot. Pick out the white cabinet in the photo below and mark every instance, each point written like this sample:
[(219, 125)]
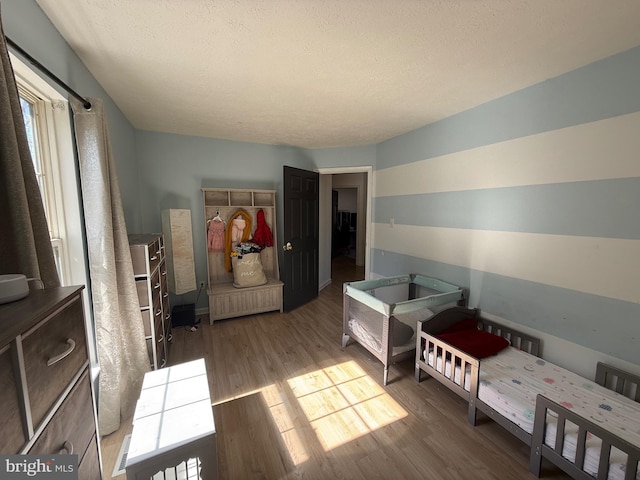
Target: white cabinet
[(149, 269), (225, 300)]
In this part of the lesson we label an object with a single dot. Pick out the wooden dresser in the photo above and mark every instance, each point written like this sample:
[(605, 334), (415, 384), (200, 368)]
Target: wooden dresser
[(150, 270), (45, 388)]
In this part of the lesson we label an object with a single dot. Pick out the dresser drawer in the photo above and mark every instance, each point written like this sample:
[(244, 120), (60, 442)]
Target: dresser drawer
[(13, 436), (163, 278), (89, 468), (162, 360), (48, 341), (150, 351), (143, 255), (142, 288), (166, 313), (156, 291), (72, 427), (143, 292)]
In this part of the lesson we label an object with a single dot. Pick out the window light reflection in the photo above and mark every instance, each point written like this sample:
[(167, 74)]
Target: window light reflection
[(343, 403), (280, 413)]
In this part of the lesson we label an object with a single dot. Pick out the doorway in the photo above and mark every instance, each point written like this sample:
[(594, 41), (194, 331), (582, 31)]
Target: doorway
[(355, 216)]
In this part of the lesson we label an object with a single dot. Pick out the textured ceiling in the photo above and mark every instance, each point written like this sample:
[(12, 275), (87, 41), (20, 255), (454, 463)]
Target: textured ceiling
[(319, 73)]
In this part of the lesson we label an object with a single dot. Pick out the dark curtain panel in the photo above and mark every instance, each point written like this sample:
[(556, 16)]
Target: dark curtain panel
[(25, 246)]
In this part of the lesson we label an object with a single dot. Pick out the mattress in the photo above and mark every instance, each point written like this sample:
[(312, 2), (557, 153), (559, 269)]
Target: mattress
[(366, 324), (447, 370), (510, 381)]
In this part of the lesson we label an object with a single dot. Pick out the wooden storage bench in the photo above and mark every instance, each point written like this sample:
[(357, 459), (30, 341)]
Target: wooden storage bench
[(225, 300)]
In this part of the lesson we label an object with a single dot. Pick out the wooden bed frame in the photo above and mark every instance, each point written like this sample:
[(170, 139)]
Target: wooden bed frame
[(424, 340), (609, 377), (447, 318), (362, 294)]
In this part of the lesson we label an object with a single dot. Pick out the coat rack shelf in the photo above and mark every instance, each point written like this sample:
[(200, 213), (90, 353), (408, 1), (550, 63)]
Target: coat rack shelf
[(225, 300)]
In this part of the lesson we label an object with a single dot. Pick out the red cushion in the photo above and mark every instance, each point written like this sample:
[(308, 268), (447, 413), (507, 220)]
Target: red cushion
[(477, 343), (468, 324)]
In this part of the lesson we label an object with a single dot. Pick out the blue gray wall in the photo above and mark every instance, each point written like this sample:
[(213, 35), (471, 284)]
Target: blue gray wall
[(531, 201), (174, 168)]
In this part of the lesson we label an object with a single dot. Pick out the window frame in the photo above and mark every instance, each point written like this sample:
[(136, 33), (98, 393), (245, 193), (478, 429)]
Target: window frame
[(46, 150)]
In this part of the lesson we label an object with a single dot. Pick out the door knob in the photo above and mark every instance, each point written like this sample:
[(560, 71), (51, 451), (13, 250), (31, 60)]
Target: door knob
[(287, 246)]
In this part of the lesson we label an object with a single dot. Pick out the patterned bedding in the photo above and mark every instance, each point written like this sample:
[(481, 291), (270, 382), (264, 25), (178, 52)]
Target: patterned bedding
[(510, 381)]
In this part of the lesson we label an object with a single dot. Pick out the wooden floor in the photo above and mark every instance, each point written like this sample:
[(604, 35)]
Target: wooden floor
[(289, 402)]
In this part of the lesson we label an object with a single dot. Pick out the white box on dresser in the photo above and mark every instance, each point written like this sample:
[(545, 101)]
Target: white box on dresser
[(45, 389)]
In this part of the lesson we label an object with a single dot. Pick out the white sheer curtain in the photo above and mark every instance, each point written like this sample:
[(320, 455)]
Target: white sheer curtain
[(122, 351)]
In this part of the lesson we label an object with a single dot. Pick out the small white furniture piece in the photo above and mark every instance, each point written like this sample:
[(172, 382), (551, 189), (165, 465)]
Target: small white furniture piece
[(173, 423)]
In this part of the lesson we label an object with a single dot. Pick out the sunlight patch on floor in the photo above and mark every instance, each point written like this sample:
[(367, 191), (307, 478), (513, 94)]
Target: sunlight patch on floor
[(274, 399), (343, 403)]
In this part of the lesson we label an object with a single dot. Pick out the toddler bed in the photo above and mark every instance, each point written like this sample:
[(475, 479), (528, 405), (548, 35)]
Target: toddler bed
[(506, 386), (576, 436), (435, 356), (382, 314)]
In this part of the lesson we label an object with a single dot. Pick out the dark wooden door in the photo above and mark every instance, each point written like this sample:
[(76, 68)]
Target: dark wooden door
[(300, 255)]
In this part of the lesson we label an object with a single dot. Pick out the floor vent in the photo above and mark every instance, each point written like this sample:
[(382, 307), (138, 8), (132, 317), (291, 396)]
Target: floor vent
[(121, 462)]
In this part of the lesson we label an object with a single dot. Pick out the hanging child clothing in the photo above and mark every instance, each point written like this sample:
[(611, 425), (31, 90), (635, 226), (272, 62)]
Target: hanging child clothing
[(262, 236), (240, 230), (237, 230), (215, 235)]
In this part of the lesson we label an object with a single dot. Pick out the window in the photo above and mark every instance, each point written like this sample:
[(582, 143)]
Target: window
[(44, 156)]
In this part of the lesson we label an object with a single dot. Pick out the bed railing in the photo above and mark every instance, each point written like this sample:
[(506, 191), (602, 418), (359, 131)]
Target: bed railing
[(446, 355), (575, 468), (517, 339), (618, 380)]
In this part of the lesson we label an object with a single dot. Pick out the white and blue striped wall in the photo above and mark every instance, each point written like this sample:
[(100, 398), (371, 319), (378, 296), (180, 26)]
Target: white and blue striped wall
[(532, 201)]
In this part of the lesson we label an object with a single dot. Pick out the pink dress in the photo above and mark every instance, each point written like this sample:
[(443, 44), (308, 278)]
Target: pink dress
[(215, 236)]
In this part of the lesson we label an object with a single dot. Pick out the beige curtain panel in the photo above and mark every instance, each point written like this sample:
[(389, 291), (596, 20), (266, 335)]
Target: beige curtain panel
[(122, 350)]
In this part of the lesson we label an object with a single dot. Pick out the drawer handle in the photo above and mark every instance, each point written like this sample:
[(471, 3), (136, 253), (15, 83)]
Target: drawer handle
[(163, 273), (161, 338), (156, 286), (158, 313), (163, 363), (166, 294), (153, 259), (67, 352), (67, 448)]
